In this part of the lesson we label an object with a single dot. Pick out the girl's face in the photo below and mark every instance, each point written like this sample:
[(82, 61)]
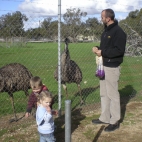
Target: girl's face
[(46, 102)]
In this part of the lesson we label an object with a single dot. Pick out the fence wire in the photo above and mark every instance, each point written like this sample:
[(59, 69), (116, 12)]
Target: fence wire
[(33, 43)]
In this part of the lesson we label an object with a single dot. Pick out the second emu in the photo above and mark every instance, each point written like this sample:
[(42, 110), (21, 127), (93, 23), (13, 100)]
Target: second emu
[(70, 71)]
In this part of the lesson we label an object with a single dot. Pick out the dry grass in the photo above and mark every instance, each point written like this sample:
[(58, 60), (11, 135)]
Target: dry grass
[(25, 130)]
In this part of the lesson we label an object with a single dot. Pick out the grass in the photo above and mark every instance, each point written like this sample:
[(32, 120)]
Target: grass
[(89, 134), (41, 59)]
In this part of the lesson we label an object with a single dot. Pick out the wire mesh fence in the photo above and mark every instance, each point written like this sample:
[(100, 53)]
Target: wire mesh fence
[(33, 42)]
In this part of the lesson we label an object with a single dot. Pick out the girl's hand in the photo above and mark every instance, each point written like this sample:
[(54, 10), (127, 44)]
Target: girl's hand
[(48, 109)]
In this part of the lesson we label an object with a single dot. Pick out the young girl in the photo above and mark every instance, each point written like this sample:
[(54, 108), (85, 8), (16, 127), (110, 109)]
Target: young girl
[(44, 117)]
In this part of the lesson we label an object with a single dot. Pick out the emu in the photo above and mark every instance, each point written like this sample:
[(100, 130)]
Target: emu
[(14, 77), (70, 71)]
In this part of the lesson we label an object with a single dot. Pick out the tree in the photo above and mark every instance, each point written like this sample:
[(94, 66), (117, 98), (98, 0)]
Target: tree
[(49, 28), (95, 27), (73, 19), (12, 24), (133, 14), (134, 20), (46, 23)]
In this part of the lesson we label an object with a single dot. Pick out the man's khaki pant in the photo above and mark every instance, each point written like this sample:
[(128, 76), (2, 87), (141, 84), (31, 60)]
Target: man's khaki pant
[(110, 97)]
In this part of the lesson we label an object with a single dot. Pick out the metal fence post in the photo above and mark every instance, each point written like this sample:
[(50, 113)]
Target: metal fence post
[(68, 121), (59, 58)]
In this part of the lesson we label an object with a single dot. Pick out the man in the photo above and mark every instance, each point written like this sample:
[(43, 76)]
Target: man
[(112, 48)]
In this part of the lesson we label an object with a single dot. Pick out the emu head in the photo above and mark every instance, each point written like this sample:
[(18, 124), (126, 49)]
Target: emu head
[(1, 83), (67, 40)]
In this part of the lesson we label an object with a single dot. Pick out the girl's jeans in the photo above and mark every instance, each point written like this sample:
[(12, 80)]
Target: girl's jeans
[(47, 137)]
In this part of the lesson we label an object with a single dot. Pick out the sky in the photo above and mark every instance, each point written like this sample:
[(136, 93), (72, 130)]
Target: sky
[(46, 8)]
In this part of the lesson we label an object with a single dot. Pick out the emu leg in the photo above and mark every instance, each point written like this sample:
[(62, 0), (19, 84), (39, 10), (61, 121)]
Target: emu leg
[(66, 91), (26, 93), (79, 88), (12, 102)]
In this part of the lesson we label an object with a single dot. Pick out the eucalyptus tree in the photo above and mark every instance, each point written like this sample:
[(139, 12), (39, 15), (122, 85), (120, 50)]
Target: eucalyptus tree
[(12, 24), (73, 20), (49, 28), (134, 20), (95, 27), (45, 27)]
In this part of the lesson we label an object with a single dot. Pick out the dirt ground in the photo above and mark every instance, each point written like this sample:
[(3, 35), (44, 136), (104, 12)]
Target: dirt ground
[(82, 130), (130, 128)]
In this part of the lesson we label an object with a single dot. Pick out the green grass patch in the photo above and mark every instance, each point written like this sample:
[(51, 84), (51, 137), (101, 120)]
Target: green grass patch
[(3, 131), (42, 58), (129, 114)]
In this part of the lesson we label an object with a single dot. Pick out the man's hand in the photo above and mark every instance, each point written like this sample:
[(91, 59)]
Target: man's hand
[(99, 53), (94, 49)]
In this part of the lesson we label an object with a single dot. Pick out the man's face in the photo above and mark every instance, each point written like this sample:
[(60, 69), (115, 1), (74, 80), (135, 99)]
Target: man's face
[(104, 19)]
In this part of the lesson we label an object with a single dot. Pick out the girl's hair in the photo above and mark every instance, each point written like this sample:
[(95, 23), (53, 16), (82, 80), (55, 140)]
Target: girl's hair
[(36, 82), (45, 94)]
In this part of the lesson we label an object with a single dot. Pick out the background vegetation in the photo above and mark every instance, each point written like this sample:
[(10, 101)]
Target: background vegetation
[(74, 22)]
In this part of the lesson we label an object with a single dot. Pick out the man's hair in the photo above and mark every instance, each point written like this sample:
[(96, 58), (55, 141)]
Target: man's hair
[(109, 13), (36, 81), (45, 94)]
